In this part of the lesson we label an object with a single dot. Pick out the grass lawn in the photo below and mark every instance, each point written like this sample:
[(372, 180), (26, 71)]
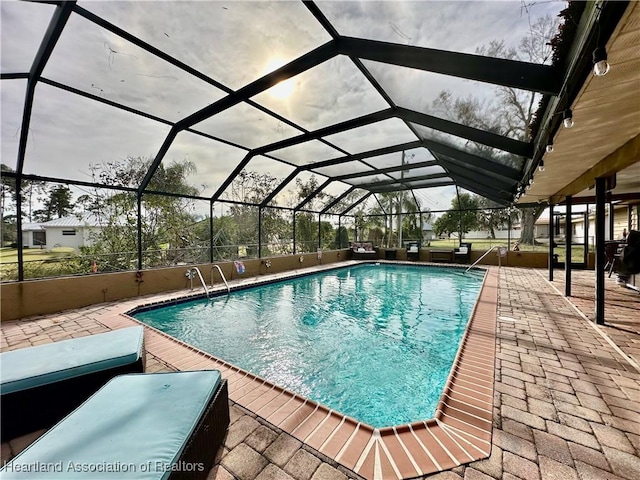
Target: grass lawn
[(39, 263), (478, 244), (484, 244), (10, 255)]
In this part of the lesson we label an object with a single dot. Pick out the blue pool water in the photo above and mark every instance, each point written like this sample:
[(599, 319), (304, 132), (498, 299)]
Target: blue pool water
[(375, 342)]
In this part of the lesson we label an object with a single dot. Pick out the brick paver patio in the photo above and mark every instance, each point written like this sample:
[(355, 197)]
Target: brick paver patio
[(566, 403)]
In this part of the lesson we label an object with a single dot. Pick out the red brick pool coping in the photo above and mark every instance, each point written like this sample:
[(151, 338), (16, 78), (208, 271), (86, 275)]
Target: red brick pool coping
[(459, 433)]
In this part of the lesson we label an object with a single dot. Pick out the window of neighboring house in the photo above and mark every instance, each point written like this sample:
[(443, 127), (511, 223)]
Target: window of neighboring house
[(68, 232), (39, 239)]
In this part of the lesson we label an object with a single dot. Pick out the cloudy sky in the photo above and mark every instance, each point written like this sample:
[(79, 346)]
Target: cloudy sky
[(234, 43)]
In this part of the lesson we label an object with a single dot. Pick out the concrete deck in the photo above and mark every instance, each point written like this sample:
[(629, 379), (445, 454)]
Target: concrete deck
[(566, 392)]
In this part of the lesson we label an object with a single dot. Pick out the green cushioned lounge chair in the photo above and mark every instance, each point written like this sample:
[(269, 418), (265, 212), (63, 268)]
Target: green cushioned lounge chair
[(143, 426), (40, 385)]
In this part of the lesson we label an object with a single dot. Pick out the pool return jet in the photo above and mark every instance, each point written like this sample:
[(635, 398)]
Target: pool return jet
[(193, 272)]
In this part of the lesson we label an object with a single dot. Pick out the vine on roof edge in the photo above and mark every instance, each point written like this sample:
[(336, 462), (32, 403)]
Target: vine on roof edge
[(561, 45)]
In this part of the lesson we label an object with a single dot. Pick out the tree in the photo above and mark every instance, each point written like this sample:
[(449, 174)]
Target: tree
[(492, 217), (368, 225), (383, 212), (360, 224), (32, 191), (403, 204), (307, 222), (392, 206), (375, 220), (510, 112), (249, 187), (341, 239), (444, 225), (8, 199), (57, 204), (10, 194), (252, 188), (276, 232), (166, 220), (398, 208), (528, 217), (460, 218), (326, 235), (425, 217), (413, 219), (8, 186), (224, 233)]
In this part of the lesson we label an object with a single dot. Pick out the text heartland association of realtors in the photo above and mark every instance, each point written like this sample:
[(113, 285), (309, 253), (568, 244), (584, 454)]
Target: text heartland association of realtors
[(102, 467)]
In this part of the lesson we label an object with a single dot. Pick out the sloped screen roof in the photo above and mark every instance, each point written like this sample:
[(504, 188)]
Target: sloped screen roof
[(368, 96)]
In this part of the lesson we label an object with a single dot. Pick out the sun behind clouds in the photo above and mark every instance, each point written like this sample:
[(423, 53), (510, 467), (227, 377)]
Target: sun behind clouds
[(283, 89)]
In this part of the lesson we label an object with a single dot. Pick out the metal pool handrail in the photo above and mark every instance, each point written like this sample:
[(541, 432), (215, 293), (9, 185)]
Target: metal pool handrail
[(222, 275), (189, 275), (478, 260)]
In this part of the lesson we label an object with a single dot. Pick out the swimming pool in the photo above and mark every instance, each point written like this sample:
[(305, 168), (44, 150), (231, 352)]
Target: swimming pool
[(375, 342)]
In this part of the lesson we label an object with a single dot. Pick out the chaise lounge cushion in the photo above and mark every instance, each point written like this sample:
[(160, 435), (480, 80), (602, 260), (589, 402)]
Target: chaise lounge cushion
[(44, 364), (140, 424), (42, 384)]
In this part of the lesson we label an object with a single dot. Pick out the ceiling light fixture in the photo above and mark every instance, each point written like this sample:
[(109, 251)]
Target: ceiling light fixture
[(600, 65), (567, 118), (549, 148), (541, 164)]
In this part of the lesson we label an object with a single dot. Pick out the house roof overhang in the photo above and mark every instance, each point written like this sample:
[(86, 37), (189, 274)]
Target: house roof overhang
[(605, 138)]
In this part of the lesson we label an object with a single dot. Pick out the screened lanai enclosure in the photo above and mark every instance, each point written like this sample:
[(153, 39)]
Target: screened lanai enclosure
[(144, 134)]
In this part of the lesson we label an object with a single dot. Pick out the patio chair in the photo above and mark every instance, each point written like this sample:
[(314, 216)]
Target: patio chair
[(611, 255), (629, 256), (151, 426), (463, 253), (413, 251), (363, 251), (40, 385)]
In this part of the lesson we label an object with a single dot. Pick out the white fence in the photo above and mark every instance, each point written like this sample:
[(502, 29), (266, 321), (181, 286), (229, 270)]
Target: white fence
[(500, 234)]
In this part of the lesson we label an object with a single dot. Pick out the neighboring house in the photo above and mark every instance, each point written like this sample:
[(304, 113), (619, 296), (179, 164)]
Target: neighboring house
[(427, 233), (33, 235), (624, 217), (541, 227), (72, 231)]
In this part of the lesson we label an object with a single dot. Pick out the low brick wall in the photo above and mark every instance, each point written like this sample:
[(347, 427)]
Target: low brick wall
[(39, 297), (51, 295), (513, 259)]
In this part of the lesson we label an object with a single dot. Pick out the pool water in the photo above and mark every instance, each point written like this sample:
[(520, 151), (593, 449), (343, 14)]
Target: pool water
[(374, 342)]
